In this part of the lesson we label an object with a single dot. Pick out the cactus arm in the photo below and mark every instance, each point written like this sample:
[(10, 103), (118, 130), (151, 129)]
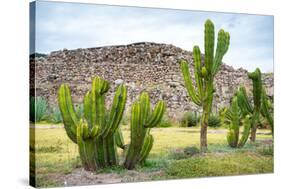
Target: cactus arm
[(136, 143), (157, 115), (119, 139), (68, 113), (117, 110), (222, 47), (257, 93), (88, 108), (85, 147), (244, 102), (257, 87), (265, 107), (246, 132), (209, 44), (188, 82), (198, 70), (145, 106), (147, 146)]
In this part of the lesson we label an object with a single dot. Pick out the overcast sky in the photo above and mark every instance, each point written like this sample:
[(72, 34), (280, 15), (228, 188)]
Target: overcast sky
[(73, 25)]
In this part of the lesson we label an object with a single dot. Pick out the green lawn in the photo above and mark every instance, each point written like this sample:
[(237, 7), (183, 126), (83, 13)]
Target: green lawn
[(57, 155)]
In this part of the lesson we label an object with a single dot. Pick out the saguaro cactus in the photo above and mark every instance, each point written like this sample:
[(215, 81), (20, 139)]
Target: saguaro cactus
[(96, 133), (142, 119), (204, 72), (235, 116)]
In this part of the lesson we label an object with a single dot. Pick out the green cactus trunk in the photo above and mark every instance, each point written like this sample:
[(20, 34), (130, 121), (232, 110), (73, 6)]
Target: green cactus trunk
[(257, 92), (266, 108), (205, 72), (141, 122)]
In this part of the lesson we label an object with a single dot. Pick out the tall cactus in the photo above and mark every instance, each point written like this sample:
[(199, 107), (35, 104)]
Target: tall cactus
[(245, 104), (267, 110), (235, 116), (257, 92), (204, 72), (142, 119), (96, 133)]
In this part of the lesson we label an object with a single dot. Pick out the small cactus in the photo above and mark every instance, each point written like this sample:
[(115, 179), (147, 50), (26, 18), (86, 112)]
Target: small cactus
[(234, 116), (142, 119)]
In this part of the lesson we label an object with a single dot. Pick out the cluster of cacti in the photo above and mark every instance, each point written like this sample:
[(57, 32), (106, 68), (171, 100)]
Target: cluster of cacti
[(234, 116), (248, 112), (142, 119), (204, 73), (95, 135), (98, 133)]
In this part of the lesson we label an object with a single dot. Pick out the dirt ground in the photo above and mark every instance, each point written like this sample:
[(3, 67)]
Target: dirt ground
[(81, 177)]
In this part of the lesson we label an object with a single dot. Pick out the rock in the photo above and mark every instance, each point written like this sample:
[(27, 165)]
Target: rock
[(118, 81)]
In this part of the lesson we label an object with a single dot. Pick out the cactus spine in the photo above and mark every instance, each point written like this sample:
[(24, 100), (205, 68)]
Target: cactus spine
[(95, 134), (204, 74), (141, 121), (234, 116)]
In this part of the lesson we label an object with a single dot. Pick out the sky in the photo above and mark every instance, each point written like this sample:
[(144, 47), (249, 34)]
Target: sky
[(72, 25)]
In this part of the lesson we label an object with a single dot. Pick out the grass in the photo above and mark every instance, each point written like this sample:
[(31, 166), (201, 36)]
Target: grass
[(56, 155)]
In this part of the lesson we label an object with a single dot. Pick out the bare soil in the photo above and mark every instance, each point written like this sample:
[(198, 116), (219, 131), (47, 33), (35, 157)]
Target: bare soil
[(81, 177)]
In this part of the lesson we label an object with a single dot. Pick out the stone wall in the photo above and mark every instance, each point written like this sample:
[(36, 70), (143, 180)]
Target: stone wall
[(141, 66)]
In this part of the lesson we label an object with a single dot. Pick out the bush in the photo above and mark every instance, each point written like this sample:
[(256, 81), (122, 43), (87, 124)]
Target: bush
[(214, 121), (165, 122), (190, 151), (55, 116), (266, 150), (189, 119), (38, 109)]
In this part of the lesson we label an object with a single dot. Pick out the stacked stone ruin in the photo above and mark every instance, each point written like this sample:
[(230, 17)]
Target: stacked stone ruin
[(141, 66)]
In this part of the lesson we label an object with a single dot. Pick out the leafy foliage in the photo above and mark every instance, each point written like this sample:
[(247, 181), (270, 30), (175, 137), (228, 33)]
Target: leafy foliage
[(189, 119), (165, 122), (214, 121), (38, 109), (55, 115)]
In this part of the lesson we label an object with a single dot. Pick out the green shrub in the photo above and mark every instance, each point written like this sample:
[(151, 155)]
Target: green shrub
[(165, 122), (189, 119), (55, 116), (266, 150), (214, 121), (190, 151), (38, 109)]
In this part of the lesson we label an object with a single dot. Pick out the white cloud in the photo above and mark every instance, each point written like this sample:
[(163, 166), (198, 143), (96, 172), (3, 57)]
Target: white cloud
[(63, 25)]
